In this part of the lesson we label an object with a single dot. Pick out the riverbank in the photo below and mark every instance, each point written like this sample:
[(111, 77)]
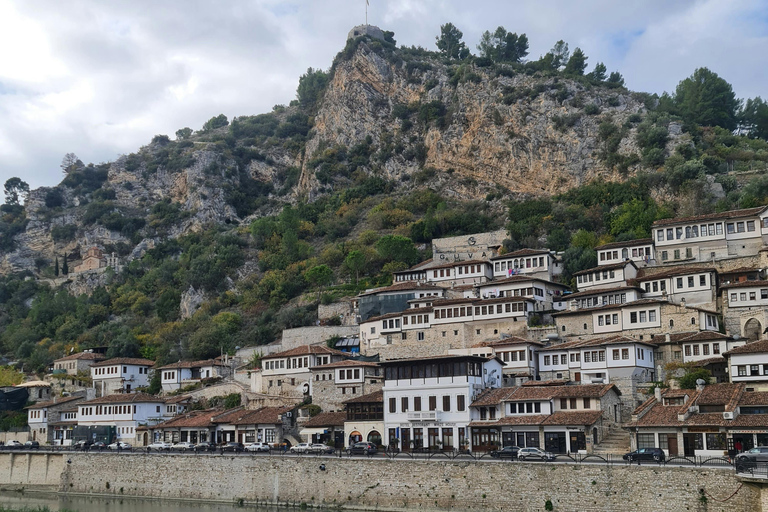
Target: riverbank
[(400, 484)]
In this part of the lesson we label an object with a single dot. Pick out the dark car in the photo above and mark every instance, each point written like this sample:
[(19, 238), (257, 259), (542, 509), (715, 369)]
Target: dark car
[(233, 447), (362, 448), (508, 452), (98, 446), (205, 447), (751, 458), (655, 454), (31, 445), (82, 445)]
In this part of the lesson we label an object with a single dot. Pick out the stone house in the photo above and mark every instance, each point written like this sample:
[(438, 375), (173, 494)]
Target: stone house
[(555, 418), (94, 259), (745, 307), (365, 419), (606, 276), (76, 363), (684, 285), (42, 415), (39, 391), (331, 384), (288, 373), (326, 428), (271, 425), (120, 375)]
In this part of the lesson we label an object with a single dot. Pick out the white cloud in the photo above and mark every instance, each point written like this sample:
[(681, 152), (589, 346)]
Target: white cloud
[(101, 78)]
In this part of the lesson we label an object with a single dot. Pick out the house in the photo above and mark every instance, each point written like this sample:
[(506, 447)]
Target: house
[(606, 276), (39, 391), (685, 285), (745, 307), (639, 251), (707, 238), (538, 263), (331, 384), (555, 418), (326, 428), (545, 294), (594, 297), (392, 299), (74, 364), (42, 415), (459, 273), (120, 375), (63, 429), (427, 399), (518, 355), (117, 417), (708, 421), (269, 425), (192, 426), (288, 373), (748, 365), (177, 375), (621, 360), (364, 419), (94, 259)]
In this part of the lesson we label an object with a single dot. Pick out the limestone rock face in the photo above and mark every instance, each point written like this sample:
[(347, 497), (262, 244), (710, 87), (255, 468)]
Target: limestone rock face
[(190, 301)]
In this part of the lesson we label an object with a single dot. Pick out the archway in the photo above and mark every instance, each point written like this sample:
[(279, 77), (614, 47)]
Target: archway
[(355, 437), (374, 437), (753, 329)]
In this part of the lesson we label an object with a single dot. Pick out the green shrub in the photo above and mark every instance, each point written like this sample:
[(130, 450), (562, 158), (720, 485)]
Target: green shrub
[(591, 109), (63, 233)]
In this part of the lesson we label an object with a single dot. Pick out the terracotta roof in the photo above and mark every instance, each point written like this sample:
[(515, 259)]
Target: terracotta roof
[(327, 419), (629, 243), (178, 399), (347, 363), (528, 419), (503, 342), (493, 396), (733, 214), (744, 284), (191, 364), (191, 419), (375, 397), (690, 336), (403, 286), (672, 272), (517, 278), (58, 401), (127, 398), (445, 357), (524, 393), (573, 418), (307, 350), (615, 340), (640, 302), (265, 415), (126, 360), (552, 382), (720, 394), (598, 291), (709, 360), (754, 398), (459, 264), (521, 252), (613, 266), (756, 347), (81, 356)]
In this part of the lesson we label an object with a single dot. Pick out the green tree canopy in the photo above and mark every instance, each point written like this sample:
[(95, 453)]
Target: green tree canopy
[(397, 248), (754, 117), (183, 133), (559, 54), (355, 263), (599, 73), (706, 99), (688, 381), (449, 42), (577, 63), (312, 85), (215, 122), (503, 46), (15, 190)]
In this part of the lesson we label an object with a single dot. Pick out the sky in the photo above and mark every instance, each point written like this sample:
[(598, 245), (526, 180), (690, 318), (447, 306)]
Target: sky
[(100, 79)]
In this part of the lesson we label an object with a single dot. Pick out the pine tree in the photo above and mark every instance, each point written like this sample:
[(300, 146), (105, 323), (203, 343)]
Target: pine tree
[(65, 266), (56, 267)]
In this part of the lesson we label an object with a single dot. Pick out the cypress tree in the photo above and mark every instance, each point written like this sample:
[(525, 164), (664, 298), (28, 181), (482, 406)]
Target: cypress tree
[(64, 266), (56, 267)]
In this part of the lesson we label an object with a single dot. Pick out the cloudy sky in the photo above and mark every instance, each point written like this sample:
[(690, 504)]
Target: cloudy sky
[(101, 78)]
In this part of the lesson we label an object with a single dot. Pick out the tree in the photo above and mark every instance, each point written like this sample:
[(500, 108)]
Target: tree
[(155, 386), (319, 275), (56, 267), (560, 54), (706, 99), (312, 85), (598, 74), (215, 122), (577, 63), (397, 248), (449, 42), (183, 133), (688, 381), (65, 266), (503, 46), (15, 189), (355, 263), (754, 117), (616, 79), (70, 162)]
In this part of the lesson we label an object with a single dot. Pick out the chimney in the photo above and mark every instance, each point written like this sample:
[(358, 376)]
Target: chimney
[(657, 393)]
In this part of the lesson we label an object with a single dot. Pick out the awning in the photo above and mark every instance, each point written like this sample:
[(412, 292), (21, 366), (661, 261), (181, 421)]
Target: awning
[(312, 431)]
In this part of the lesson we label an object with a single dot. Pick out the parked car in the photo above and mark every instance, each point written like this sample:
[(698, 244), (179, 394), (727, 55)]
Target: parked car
[(362, 448), (183, 446), (257, 447), (98, 445), (82, 445), (655, 454), (32, 445), (13, 444), (119, 445), (205, 447), (301, 448), (233, 447), (508, 452), (321, 448), (751, 458), (534, 454), (160, 446)]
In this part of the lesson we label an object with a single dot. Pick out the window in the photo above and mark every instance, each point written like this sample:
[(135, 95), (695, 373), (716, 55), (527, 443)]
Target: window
[(652, 315), (546, 360), (703, 280), (404, 404), (586, 403), (695, 350), (564, 403), (660, 235), (690, 281), (417, 403), (432, 403), (742, 370), (625, 353), (733, 297), (750, 225), (646, 441), (633, 317), (715, 348), (730, 228), (680, 283), (740, 227), (615, 354), (447, 403), (642, 317), (677, 257), (460, 403), (587, 357), (420, 336)]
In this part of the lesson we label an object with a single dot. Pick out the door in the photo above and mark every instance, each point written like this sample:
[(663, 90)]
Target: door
[(577, 376), (594, 437), (672, 445), (520, 439), (405, 433)]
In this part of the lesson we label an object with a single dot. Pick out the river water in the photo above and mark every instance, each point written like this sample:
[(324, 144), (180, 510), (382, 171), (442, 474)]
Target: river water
[(15, 500)]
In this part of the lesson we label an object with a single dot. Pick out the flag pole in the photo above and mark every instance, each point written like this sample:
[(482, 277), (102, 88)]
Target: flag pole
[(366, 12)]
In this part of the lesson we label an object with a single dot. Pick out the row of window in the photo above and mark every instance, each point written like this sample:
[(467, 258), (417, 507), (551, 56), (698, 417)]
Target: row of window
[(699, 230), (124, 430), (642, 316), (752, 370), (637, 252), (676, 254), (415, 319), (111, 370), (604, 300), (459, 312), (701, 350), (461, 270), (434, 370), (100, 410), (37, 414), (573, 403), (169, 375), (736, 297), (514, 355), (525, 408), (597, 276), (349, 374), (501, 266), (608, 319), (405, 402)]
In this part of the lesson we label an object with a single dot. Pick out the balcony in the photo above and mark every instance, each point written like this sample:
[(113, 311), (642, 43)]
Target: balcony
[(424, 416)]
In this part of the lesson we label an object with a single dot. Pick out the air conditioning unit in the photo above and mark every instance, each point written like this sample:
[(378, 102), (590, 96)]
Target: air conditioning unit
[(727, 415)]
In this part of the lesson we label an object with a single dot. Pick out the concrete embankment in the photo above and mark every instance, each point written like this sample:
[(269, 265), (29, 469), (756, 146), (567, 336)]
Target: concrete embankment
[(389, 484)]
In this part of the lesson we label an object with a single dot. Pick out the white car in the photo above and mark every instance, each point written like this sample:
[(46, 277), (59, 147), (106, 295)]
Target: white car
[(183, 446), (321, 448), (119, 445), (535, 454), (160, 446), (257, 447), (13, 444), (301, 448)]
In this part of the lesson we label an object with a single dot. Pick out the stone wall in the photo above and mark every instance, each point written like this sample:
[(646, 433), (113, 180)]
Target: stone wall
[(301, 336), (342, 310), (479, 246), (399, 484)]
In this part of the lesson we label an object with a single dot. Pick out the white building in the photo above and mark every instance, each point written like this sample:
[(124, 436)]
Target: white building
[(681, 285), (539, 263), (426, 400), (120, 375), (748, 364), (546, 294), (606, 276), (288, 373), (518, 355), (177, 375), (42, 415), (124, 412), (640, 251)]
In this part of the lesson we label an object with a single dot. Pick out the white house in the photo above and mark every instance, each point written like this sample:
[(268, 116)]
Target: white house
[(606, 276), (532, 262), (640, 251), (426, 400), (518, 355), (748, 364), (681, 285), (459, 273), (288, 373), (124, 412), (42, 415), (546, 294), (177, 375), (120, 375)]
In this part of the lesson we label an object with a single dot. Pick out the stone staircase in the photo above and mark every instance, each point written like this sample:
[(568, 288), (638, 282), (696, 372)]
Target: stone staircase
[(616, 442)]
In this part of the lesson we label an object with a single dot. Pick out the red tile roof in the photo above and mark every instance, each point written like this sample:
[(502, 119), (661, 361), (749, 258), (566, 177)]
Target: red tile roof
[(732, 214), (327, 419), (375, 397), (641, 302), (191, 419), (52, 403), (598, 291), (521, 252), (127, 398), (573, 418), (756, 347), (265, 415), (743, 284), (82, 356), (192, 364), (647, 275), (307, 350), (613, 266), (347, 363), (630, 243), (126, 360), (402, 286)]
